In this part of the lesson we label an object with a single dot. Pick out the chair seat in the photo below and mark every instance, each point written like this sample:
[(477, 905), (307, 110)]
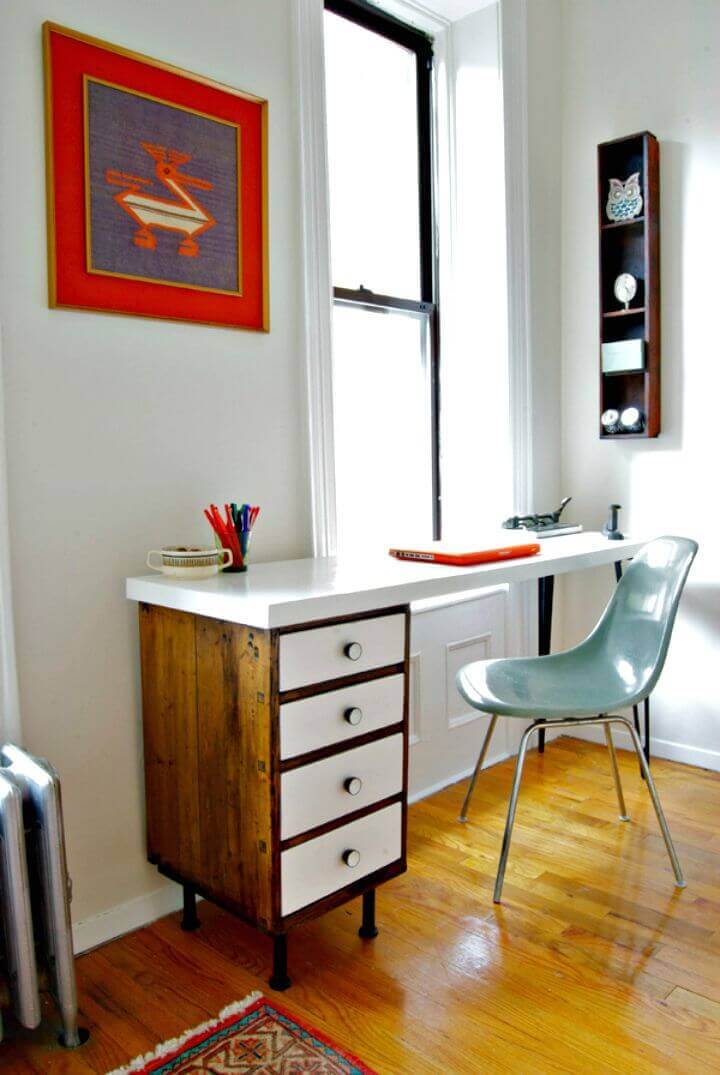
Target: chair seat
[(562, 685)]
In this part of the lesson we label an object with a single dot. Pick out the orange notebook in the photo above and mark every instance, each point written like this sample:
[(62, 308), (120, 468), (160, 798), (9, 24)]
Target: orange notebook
[(441, 552)]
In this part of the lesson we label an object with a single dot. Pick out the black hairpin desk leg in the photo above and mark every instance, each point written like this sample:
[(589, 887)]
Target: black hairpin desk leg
[(636, 712), (546, 587)]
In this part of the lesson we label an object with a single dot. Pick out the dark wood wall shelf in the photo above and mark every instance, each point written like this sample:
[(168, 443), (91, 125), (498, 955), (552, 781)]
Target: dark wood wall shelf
[(622, 223), (625, 313), (631, 246)]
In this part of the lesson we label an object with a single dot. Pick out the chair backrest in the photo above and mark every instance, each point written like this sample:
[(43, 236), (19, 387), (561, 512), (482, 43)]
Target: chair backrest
[(634, 631)]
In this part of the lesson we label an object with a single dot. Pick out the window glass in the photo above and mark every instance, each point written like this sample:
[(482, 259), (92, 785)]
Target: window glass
[(382, 428), (371, 92)]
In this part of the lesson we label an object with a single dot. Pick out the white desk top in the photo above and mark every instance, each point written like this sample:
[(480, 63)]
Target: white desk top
[(295, 591)]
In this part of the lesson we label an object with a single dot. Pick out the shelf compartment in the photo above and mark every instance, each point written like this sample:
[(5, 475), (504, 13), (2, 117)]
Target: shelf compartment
[(621, 390)]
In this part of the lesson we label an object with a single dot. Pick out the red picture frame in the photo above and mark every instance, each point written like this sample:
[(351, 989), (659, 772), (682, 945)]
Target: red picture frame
[(130, 229)]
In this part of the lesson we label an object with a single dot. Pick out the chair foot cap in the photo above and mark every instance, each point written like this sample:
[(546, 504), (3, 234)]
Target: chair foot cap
[(623, 817), (462, 820), (680, 884)]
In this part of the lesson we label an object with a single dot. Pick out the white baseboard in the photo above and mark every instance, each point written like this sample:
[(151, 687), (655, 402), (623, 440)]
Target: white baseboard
[(125, 917), (424, 793), (659, 748), (141, 911)]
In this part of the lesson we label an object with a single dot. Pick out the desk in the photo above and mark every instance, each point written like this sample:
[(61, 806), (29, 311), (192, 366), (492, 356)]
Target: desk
[(275, 713)]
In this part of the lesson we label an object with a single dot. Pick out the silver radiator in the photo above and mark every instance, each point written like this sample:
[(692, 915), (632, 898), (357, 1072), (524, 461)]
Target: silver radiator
[(35, 890)]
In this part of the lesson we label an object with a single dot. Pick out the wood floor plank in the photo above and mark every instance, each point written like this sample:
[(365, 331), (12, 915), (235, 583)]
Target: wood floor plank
[(694, 1002), (594, 962)]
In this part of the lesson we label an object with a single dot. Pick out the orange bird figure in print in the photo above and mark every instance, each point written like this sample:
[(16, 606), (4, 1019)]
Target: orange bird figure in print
[(183, 213)]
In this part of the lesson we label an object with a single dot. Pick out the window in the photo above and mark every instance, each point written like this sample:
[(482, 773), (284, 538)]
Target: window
[(385, 353)]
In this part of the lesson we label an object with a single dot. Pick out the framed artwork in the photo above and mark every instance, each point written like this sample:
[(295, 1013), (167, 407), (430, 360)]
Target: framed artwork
[(156, 188)]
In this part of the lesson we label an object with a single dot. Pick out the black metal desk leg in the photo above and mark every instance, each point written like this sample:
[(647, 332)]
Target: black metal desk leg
[(279, 979), (546, 587), (368, 927), (190, 920)]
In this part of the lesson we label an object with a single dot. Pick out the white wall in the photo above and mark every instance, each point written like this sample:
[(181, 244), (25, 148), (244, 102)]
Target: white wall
[(544, 103), (9, 694), (475, 440), (652, 64), (120, 430), (474, 313)]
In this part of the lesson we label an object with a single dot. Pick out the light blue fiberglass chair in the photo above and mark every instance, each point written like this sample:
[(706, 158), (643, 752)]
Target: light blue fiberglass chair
[(615, 667)]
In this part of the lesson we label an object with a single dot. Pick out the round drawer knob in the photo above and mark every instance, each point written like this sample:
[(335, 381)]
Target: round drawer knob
[(351, 858), (353, 715), (353, 785), (353, 651)]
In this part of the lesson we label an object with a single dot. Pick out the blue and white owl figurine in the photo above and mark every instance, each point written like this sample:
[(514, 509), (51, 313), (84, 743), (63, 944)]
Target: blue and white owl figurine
[(624, 199)]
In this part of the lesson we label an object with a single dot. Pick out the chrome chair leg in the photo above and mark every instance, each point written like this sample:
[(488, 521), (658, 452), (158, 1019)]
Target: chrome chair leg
[(587, 722), (616, 773), (478, 767), (512, 806), (679, 879)]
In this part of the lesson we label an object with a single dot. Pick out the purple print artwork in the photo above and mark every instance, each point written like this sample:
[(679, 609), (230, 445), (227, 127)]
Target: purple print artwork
[(163, 189)]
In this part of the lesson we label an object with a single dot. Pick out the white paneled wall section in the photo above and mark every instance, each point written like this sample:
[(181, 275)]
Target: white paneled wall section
[(445, 733)]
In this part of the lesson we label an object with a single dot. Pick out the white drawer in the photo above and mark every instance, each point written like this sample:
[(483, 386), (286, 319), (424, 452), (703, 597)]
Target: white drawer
[(316, 868), (323, 653), (326, 719), (316, 793)]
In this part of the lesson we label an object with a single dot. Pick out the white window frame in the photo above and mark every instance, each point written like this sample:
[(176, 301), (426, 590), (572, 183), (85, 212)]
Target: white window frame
[(309, 65), (308, 22)]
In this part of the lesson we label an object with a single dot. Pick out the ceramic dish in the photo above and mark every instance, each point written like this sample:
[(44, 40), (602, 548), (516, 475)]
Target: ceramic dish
[(189, 561)]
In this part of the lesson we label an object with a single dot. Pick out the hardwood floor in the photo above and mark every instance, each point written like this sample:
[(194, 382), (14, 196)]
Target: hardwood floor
[(594, 963)]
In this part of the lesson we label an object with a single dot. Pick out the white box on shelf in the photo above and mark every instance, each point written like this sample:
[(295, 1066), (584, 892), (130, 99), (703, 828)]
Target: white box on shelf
[(623, 355)]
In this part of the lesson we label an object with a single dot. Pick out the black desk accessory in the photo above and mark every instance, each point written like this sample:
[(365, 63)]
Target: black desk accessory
[(610, 530), (545, 523)]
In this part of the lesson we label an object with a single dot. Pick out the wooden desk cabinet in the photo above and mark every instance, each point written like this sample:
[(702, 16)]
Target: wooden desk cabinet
[(276, 763), (276, 737)]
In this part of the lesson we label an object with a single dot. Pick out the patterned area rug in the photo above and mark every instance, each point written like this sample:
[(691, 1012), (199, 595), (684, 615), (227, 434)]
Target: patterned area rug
[(252, 1037)]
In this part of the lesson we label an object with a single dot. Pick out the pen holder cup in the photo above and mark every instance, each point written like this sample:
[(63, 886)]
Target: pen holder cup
[(235, 568)]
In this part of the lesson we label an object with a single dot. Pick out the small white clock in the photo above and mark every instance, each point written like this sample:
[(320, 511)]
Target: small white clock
[(625, 288)]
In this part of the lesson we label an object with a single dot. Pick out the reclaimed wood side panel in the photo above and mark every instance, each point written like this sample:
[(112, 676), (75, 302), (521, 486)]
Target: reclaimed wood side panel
[(169, 692), (236, 764)]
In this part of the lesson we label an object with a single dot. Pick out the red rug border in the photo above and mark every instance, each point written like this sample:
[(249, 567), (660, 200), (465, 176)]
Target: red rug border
[(222, 1024), (316, 1033)]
